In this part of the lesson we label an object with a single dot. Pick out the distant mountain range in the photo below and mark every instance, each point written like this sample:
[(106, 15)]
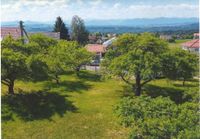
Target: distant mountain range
[(119, 26)]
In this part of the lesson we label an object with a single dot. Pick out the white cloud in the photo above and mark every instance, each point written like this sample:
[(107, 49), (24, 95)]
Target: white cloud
[(46, 10)]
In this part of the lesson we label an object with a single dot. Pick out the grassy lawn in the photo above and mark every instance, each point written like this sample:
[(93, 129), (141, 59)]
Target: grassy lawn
[(77, 108)]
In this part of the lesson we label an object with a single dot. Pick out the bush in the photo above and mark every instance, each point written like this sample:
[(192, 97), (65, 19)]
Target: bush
[(158, 118)]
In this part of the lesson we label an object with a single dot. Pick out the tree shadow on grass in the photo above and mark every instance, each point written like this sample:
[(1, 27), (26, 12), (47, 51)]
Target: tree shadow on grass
[(68, 86), (175, 94), (35, 106), (88, 76)]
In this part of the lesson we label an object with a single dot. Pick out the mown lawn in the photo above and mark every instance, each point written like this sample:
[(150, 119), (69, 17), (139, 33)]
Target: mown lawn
[(77, 108)]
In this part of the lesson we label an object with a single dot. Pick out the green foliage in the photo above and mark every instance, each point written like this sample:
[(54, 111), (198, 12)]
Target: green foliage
[(25, 61), (13, 62), (179, 64), (136, 56), (158, 118), (60, 27), (79, 32), (67, 55)]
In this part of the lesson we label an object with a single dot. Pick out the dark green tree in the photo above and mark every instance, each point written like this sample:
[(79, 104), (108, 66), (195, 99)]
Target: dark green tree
[(60, 27), (79, 32)]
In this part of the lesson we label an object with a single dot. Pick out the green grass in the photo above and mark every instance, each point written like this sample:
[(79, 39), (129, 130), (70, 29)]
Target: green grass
[(77, 108)]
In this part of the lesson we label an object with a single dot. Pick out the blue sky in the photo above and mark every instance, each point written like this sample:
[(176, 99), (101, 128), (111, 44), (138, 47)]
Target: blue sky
[(48, 10)]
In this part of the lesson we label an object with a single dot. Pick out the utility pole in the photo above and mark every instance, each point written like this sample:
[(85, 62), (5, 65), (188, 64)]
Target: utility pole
[(22, 31)]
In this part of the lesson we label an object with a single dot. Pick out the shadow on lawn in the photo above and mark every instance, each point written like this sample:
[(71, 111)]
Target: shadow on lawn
[(35, 106), (87, 76), (68, 86), (175, 94)]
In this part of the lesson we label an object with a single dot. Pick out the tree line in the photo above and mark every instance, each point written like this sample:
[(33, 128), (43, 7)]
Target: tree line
[(78, 30)]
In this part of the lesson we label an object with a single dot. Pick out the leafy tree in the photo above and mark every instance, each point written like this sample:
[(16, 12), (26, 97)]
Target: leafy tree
[(79, 32), (24, 61), (13, 62), (135, 57), (74, 56), (179, 64), (60, 27)]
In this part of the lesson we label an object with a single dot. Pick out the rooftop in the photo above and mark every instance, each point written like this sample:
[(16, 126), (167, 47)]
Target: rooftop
[(192, 44), (15, 32), (96, 48)]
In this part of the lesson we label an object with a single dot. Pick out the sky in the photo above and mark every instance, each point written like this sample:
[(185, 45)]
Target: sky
[(48, 10)]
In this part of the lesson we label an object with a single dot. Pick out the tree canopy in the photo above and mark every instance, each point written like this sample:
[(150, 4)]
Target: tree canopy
[(135, 57), (179, 64), (79, 32)]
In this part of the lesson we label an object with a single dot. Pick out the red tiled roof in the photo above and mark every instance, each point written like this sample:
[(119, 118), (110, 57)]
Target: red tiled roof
[(192, 44), (15, 32), (196, 34), (95, 48)]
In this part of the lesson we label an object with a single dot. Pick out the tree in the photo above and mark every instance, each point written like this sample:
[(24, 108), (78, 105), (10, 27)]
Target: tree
[(79, 32), (60, 27), (13, 62), (179, 64), (24, 61), (135, 57), (73, 56)]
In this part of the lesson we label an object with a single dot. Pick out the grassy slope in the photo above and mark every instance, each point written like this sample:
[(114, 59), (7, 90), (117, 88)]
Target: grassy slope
[(93, 117), (89, 112)]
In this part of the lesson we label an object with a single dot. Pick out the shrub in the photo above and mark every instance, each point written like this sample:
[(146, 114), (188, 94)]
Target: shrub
[(158, 118)]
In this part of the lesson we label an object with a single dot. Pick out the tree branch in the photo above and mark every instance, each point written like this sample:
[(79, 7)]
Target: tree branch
[(5, 83), (145, 82), (126, 81)]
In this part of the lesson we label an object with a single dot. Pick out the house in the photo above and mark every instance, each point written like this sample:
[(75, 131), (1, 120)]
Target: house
[(196, 36), (98, 50), (92, 39), (15, 32), (192, 46)]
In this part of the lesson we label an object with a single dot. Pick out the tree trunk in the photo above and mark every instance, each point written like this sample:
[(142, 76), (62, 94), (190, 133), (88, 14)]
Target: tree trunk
[(11, 87), (137, 85)]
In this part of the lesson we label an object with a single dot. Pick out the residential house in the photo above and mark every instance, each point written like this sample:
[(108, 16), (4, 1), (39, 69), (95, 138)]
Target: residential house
[(192, 46), (98, 50), (15, 32)]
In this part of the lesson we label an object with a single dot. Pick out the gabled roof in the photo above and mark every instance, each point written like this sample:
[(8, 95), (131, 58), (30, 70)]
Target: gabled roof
[(96, 48), (15, 32), (192, 44)]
